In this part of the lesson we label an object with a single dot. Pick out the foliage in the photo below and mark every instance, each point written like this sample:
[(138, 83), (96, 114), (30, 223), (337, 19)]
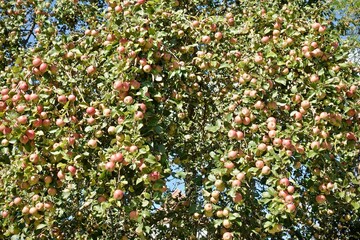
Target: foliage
[(253, 104)]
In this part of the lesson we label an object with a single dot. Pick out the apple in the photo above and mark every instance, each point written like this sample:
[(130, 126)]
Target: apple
[(134, 215), (43, 67), (227, 223), (138, 115), (259, 164), (72, 170), (72, 98), (314, 78), (218, 36), (320, 199), (147, 68), (205, 39), (265, 39), (284, 182), (154, 176), (118, 194), (208, 207), (289, 198), (232, 155), (290, 207), (262, 147), (52, 191), (91, 70), (91, 111), (36, 61), (48, 179), (232, 134), (37, 122), (110, 166), (30, 134), (240, 176), (102, 199), (227, 236), (290, 189), (128, 100), (237, 198), (60, 123), (22, 119), (92, 143), (266, 170), (229, 165)]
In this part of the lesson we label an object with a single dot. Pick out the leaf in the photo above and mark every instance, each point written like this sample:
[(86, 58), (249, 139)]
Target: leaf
[(40, 226), (271, 54), (212, 129), (281, 80), (181, 175), (145, 203), (224, 65)]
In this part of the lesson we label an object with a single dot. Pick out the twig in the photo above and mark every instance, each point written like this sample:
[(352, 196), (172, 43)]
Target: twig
[(30, 32)]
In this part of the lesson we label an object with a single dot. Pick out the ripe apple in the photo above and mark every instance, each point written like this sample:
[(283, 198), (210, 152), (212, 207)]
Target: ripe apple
[(237, 198), (289, 198), (52, 191), (232, 155), (36, 61), (290, 207), (154, 176), (90, 70), (139, 115), (320, 199), (291, 189), (240, 176), (205, 39), (229, 165), (208, 207), (72, 98), (118, 194), (284, 182), (22, 119), (33, 211), (60, 123), (232, 134), (266, 170), (147, 68), (90, 111), (92, 143), (227, 223), (227, 236), (128, 100), (134, 215), (72, 170), (43, 67), (17, 200), (110, 166), (259, 164)]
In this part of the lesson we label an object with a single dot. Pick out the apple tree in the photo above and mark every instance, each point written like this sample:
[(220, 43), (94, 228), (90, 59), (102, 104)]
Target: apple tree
[(252, 105)]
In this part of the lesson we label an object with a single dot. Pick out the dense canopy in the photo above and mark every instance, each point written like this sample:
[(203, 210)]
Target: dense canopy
[(250, 108)]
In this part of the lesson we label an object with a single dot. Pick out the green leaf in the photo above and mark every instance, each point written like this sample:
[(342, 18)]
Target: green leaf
[(281, 80), (40, 226), (271, 54), (212, 129)]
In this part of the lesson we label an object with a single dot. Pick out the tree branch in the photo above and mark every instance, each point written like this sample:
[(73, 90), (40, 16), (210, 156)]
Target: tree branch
[(30, 32)]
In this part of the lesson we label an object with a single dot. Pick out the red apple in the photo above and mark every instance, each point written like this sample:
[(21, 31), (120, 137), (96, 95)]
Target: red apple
[(118, 194), (90, 70), (320, 199), (110, 166), (72, 170), (284, 182), (36, 61), (91, 111)]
